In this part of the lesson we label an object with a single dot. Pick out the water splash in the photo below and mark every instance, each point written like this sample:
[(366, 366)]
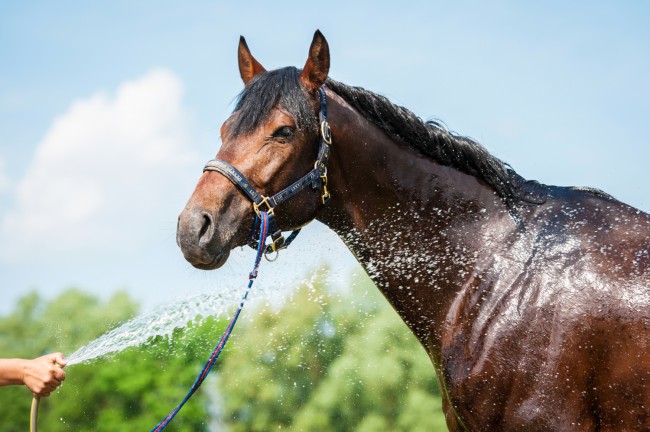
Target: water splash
[(160, 322), (274, 288)]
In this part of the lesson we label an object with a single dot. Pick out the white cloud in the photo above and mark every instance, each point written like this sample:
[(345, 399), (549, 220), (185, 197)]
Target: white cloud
[(104, 173)]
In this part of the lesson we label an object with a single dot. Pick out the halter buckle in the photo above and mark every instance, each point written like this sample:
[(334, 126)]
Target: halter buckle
[(277, 244), (277, 241), (265, 200), (326, 132)]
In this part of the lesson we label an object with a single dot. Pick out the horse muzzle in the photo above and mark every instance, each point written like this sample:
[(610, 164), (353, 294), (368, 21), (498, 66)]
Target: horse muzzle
[(201, 240)]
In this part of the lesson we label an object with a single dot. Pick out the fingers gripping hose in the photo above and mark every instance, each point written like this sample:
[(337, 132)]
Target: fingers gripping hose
[(33, 418)]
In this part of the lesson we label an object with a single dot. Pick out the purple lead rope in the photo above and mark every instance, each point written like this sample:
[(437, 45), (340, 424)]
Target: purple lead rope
[(264, 225)]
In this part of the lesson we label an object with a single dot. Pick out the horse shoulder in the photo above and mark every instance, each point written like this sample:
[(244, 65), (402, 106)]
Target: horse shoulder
[(535, 329)]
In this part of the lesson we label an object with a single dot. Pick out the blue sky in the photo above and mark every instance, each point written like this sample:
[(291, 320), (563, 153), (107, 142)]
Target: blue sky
[(108, 111)]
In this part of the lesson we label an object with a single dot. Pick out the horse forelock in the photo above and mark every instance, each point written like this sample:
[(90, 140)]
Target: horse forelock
[(265, 91)]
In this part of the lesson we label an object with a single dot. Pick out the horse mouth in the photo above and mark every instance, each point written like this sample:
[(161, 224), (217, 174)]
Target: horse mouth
[(218, 261)]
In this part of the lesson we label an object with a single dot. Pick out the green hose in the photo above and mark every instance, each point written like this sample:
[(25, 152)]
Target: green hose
[(33, 419)]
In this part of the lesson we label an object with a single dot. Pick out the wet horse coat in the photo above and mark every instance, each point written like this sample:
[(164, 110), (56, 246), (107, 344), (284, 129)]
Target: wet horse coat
[(531, 300)]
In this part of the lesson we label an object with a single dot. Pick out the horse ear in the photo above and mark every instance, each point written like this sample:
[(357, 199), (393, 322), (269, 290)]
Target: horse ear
[(317, 66), (248, 66)]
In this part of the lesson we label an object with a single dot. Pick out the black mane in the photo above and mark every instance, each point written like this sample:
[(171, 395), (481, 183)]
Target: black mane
[(435, 141), (282, 86)]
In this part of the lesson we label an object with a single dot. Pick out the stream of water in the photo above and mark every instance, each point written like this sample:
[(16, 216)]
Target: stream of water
[(159, 322), (219, 302)]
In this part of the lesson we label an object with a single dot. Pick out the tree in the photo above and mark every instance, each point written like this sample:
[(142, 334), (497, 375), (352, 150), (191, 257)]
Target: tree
[(323, 361), (327, 362), (131, 390)]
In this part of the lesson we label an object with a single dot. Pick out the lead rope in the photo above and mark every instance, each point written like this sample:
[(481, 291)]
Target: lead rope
[(264, 225)]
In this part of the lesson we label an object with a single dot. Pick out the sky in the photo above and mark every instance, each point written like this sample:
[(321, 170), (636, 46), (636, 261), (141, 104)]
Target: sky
[(108, 111)]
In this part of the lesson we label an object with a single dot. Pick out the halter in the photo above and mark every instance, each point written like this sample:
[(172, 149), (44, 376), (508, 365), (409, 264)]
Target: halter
[(317, 178)]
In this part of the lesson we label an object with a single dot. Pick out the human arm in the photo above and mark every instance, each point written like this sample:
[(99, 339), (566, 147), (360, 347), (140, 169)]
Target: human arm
[(41, 375)]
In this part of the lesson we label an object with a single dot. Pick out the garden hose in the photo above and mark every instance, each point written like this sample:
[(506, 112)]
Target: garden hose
[(33, 418)]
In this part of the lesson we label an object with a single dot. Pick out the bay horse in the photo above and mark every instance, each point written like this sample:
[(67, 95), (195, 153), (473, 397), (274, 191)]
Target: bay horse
[(531, 300)]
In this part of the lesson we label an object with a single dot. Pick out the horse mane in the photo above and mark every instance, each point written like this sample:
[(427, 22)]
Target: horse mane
[(282, 86), (434, 140)]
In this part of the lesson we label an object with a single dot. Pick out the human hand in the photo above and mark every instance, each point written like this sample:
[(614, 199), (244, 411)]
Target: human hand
[(44, 374)]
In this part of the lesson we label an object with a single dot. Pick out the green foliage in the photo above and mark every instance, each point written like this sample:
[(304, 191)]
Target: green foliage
[(132, 390), (135, 389), (323, 362), (330, 363)]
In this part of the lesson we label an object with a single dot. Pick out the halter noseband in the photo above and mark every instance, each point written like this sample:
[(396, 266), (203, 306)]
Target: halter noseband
[(317, 178)]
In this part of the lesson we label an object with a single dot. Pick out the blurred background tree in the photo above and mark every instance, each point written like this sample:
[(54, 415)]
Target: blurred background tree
[(330, 362), (132, 390), (321, 361)]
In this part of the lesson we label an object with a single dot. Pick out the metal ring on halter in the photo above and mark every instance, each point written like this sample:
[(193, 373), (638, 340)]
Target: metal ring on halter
[(267, 254), (325, 132)]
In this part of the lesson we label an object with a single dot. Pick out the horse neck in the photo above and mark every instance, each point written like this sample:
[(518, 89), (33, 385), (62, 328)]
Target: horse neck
[(415, 225)]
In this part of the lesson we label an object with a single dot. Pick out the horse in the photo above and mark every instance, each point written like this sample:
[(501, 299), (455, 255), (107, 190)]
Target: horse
[(531, 300)]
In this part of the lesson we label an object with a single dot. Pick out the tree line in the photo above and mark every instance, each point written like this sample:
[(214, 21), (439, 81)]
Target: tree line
[(323, 361)]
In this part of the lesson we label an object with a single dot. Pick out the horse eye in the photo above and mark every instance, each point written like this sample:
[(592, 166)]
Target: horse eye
[(283, 132)]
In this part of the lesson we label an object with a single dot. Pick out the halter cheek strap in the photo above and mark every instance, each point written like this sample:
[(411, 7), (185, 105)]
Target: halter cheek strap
[(316, 178)]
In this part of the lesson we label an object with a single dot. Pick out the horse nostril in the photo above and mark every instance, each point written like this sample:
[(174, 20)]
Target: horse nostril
[(206, 228)]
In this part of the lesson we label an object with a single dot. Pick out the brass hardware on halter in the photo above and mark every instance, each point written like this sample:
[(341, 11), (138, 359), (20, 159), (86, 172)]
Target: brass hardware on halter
[(265, 200), (326, 195), (277, 244), (267, 255), (325, 132)]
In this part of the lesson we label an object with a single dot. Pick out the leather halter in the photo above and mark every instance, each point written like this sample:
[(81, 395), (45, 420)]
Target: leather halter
[(317, 178)]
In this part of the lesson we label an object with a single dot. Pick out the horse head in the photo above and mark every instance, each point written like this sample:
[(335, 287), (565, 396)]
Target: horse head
[(271, 140)]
